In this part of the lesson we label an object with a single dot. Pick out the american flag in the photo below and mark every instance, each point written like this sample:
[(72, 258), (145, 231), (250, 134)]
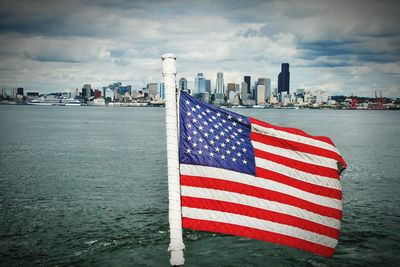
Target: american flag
[(245, 177)]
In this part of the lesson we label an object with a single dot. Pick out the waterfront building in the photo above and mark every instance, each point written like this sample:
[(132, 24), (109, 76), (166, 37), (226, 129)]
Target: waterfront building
[(300, 92), (321, 97), (275, 92), (72, 93), (109, 93), (286, 99), (284, 78), (273, 99), (97, 93), (247, 80), (260, 100), (122, 89), (20, 91), (183, 84), (299, 101), (152, 89), (231, 96), (119, 89), (309, 98), (86, 90), (267, 85)]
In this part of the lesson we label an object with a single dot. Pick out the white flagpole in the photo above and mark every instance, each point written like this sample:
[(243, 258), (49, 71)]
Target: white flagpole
[(176, 245)]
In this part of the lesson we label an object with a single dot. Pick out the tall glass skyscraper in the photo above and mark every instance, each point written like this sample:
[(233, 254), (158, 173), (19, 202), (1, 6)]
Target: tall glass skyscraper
[(86, 89), (247, 79), (284, 79), (162, 90), (199, 84), (208, 86), (183, 84)]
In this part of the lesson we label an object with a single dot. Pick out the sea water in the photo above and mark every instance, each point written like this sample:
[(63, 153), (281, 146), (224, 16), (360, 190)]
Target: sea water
[(88, 186)]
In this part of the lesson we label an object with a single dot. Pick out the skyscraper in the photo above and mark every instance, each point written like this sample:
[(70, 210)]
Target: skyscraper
[(199, 84), (261, 91), (244, 94), (20, 91), (162, 90), (260, 100), (152, 88), (86, 89), (254, 90), (231, 87), (208, 86), (284, 79), (183, 84), (219, 88), (268, 88), (247, 79)]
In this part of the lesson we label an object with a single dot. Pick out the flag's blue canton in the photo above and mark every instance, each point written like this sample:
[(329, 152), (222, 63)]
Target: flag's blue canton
[(212, 136)]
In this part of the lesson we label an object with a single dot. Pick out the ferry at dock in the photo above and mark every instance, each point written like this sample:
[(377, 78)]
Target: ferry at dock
[(53, 101)]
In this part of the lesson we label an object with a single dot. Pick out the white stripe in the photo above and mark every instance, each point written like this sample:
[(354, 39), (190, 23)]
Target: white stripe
[(260, 203), (292, 137), (241, 220), (297, 155), (227, 175), (298, 175)]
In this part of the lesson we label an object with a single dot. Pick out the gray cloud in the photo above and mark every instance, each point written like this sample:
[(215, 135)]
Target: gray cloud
[(68, 43), (48, 58)]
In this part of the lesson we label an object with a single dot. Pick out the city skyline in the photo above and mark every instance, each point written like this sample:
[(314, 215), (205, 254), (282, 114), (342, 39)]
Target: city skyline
[(343, 48)]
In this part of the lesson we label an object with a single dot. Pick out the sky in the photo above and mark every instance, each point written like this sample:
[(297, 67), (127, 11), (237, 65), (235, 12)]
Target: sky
[(342, 47)]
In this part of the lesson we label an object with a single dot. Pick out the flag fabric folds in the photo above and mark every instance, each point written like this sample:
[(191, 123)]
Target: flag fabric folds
[(245, 177)]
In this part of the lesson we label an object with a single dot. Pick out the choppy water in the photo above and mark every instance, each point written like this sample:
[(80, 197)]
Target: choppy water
[(87, 186)]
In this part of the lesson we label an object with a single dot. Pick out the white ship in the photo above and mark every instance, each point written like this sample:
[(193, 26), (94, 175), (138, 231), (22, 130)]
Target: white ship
[(100, 102), (54, 101), (71, 102), (137, 104), (258, 106)]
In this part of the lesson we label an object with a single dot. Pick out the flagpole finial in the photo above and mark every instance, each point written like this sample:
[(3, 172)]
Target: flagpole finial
[(168, 55), (169, 64)]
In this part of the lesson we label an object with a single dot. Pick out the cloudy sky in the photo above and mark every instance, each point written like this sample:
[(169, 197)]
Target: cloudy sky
[(343, 47)]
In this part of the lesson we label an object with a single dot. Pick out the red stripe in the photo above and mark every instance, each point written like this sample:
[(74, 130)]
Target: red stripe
[(314, 189), (225, 228), (272, 216), (296, 146), (292, 131), (229, 186), (298, 165)]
